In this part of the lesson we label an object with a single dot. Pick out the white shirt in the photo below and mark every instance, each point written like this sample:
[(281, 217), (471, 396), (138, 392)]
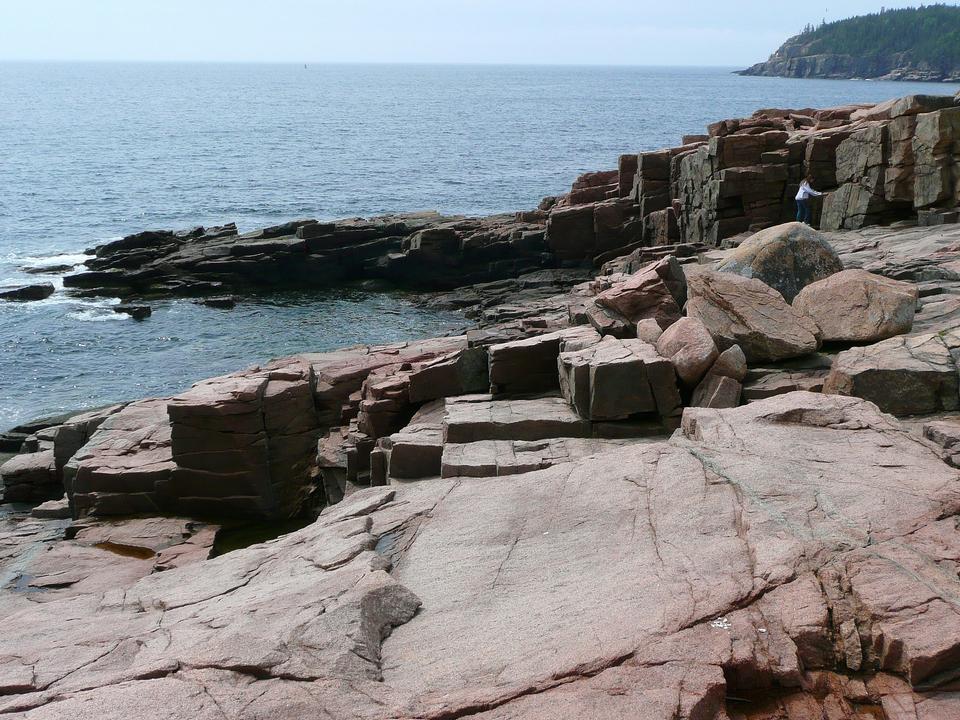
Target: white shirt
[(806, 191)]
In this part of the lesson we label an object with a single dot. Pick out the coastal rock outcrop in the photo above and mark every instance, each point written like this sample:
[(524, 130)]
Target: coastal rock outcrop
[(876, 164), (512, 499), (240, 445), (419, 250), (892, 44)]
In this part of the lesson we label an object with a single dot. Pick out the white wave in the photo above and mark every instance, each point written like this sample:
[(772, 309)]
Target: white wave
[(95, 315), (37, 262)]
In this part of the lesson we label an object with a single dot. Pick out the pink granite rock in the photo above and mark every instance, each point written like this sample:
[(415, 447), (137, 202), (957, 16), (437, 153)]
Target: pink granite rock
[(657, 291), (745, 312), (731, 363), (716, 391), (615, 379), (678, 577), (857, 306), (903, 375), (689, 346)]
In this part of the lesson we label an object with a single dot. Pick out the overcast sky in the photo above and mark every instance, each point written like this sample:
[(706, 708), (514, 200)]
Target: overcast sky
[(621, 32)]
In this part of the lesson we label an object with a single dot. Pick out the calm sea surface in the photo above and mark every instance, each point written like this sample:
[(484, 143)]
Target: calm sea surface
[(90, 152)]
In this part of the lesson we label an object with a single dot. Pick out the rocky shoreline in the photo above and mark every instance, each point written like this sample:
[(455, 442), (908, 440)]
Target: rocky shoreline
[(877, 165), (793, 62), (692, 462)]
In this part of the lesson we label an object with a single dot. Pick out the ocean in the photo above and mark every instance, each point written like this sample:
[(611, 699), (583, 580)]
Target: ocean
[(94, 151)]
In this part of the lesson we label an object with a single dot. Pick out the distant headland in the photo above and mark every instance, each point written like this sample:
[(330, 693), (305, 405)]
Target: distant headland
[(914, 44)]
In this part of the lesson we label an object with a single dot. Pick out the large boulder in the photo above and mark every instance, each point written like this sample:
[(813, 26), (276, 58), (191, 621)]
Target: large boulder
[(690, 347), (903, 375), (657, 291), (858, 306), (615, 379), (731, 363), (904, 106), (786, 257), (717, 391), (746, 312)]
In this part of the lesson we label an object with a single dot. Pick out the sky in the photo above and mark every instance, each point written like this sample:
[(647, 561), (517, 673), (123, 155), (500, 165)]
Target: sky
[(603, 32)]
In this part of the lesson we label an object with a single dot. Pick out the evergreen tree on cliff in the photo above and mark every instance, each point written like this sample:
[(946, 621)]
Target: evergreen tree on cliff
[(907, 44)]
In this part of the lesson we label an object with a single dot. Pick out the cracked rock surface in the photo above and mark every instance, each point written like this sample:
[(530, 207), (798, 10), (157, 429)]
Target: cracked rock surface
[(790, 559)]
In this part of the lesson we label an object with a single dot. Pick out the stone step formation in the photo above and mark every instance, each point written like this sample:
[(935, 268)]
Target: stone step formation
[(711, 483)]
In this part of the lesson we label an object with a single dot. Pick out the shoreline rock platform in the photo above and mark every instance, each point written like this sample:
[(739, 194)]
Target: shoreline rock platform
[(661, 477), (876, 164)]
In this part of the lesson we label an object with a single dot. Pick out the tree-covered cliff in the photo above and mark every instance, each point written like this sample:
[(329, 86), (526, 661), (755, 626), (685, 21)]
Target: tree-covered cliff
[(907, 44)]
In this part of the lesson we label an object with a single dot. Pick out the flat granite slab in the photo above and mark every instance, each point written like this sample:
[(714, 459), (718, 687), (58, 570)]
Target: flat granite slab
[(494, 458), (478, 417), (801, 550)]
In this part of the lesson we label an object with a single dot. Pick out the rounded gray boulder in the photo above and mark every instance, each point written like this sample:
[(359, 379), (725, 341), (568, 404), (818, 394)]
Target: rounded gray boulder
[(786, 257)]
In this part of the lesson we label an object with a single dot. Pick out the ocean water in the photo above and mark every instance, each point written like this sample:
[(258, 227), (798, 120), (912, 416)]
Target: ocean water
[(94, 151)]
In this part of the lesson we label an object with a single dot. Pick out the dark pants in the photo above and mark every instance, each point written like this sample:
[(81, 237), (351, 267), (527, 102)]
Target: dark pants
[(803, 211)]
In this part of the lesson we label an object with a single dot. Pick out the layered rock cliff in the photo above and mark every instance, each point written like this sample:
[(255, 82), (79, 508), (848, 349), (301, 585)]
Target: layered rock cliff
[(876, 164)]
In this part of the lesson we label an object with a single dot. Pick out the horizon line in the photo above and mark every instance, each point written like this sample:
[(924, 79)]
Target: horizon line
[(155, 61)]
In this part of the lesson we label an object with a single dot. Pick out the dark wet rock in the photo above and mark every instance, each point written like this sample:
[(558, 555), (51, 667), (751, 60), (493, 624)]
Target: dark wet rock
[(225, 302), (137, 312), (26, 293), (47, 269)]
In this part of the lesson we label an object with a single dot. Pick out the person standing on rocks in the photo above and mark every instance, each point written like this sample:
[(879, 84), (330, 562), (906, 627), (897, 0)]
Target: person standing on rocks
[(803, 199)]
